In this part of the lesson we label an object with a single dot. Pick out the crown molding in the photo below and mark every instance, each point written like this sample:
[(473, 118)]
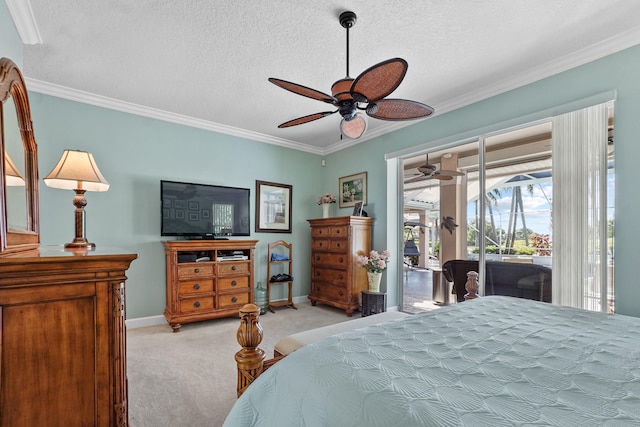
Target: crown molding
[(154, 113), (580, 57), (25, 22)]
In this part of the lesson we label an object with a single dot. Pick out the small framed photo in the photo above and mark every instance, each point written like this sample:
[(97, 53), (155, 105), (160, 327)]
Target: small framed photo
[(352, 189), (357, 209), (273, 207)]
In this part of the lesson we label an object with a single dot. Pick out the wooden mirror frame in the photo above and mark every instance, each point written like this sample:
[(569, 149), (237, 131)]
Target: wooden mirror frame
[(19, 242)]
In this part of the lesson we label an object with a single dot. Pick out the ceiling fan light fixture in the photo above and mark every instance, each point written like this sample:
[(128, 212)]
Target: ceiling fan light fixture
[(355, 127)]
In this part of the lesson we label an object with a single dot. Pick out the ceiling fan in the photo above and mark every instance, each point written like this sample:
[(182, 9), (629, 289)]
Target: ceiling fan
[(429, 171), (366, 92)]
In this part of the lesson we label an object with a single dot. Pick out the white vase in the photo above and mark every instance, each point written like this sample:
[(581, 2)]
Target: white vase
[(374, 281), (325, 210)]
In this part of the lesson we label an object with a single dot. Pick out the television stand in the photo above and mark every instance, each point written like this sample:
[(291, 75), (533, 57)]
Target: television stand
[(216, 286)]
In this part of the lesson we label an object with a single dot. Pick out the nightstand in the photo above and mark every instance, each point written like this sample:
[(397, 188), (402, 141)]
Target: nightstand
[(373, 302)]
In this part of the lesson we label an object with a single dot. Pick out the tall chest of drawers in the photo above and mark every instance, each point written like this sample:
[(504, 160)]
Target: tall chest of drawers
[(207, 279), (336, 276)]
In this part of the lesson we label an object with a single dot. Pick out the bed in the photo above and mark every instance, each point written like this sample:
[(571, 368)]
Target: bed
[(492, 361)]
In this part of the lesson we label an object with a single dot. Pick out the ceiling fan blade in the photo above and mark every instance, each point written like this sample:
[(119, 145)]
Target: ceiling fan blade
[(378, 81), (450, 172), (418, 179), (438, 175), (398, 109), (305, 119), (303, 90)]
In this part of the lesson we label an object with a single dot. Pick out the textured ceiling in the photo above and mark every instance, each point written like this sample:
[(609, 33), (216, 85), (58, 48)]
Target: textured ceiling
[(206, 63)]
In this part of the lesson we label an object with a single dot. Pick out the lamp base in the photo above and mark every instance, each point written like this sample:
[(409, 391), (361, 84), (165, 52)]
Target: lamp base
[(80, 244)]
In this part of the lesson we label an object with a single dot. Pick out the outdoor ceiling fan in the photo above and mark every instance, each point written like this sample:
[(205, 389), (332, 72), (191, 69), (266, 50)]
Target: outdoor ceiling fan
[(366, 92), (429, 171)]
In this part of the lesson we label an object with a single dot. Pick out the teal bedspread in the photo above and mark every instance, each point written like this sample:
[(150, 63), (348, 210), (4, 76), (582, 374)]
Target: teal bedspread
[(494, 361)]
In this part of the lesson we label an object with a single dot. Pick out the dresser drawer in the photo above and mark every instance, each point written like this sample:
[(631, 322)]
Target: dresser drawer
[(340, 231), (196, 286), (337, 277), (325, 258), (233, 299), (320, 232), (192, 305), (195, 270), (233, 267), (227, 283), (334, 293)]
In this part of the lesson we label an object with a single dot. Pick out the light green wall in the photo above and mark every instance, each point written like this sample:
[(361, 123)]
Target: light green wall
[(10, 43), (135, 153)]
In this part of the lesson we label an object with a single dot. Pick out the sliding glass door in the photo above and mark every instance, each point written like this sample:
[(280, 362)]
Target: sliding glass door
[(491, 201)]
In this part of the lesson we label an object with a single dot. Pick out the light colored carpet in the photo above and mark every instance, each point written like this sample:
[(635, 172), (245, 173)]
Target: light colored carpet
[(189, 378)]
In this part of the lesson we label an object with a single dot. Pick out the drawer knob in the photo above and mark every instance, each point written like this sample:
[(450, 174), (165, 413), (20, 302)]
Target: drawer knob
[(196, 304), (337, 231), (317, 257), (234, 299), (341, 276), (196, 270), (318, 288), (233, 283), (318, 273), (233, 267), (338, 245), (341, 293), (341, 259), (320, 244), (196, 286)]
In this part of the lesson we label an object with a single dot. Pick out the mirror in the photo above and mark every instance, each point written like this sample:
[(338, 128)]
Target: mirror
[(14, 169), (19, 222)]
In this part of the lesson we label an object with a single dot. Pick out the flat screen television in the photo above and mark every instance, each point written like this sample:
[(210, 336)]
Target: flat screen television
[(201, 211)]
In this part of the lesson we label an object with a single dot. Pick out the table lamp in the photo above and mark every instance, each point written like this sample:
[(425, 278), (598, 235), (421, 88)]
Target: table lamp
[(77, 171)]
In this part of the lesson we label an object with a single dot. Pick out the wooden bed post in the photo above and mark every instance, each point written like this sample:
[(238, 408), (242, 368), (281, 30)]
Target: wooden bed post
[(471, 286), (250, 359)]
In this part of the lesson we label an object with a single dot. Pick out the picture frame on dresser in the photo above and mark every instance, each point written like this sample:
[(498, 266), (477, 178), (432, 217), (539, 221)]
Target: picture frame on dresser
[(352, 189), (273, 207)]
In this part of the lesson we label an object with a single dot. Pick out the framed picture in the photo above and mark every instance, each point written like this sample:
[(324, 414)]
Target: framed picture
[(352, 189), (273, 207)]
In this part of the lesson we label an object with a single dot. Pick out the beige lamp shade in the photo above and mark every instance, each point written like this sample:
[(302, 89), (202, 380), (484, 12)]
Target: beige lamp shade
[(76, 169), (11, 173), (355, 127)]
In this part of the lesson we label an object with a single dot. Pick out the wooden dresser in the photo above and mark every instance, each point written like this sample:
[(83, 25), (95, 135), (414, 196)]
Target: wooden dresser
[(207, 279), (63, 343), (336, 276)]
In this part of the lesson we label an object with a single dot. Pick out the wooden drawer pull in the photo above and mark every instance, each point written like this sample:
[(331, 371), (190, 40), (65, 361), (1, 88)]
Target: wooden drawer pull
[(234, 299), (337, 231), (196, 270), (338, 245), (341, 259), (341, 293), (233, 267), (233, 283), (196, 286), (196, 304)]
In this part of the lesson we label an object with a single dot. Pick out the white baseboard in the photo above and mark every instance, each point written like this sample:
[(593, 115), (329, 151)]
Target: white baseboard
[(141, 322)]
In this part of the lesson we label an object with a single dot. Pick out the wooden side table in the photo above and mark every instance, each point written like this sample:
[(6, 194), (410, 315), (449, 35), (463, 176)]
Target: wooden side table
[(373, 302)]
